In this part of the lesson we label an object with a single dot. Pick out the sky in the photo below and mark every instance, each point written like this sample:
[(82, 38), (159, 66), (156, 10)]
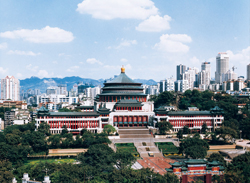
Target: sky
[(94, 38)]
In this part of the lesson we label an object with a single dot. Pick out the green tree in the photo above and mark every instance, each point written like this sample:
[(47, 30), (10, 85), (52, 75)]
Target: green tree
[(186, 130), (44, 128), (164, 127), (204, 128), (55, 141), (180, 134), (189, 147), (226, 133), (99, 156), (164, 98), (64, 130), (217, 157), (5, 171), (109, 129), (124, 159), (195, 152)]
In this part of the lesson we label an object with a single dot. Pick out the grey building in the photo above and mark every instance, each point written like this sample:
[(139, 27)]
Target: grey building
[(222, 66), (248, 72), (180, 69)]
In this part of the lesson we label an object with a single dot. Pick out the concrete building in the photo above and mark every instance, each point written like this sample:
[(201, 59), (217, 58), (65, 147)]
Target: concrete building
[(191, 76), (62, 89), (181, 85), (10, 88), (230, 75), (167, 85), (152, 90), (248, 72), (180, 69), (204, 76), (92, 92), (222, 66)]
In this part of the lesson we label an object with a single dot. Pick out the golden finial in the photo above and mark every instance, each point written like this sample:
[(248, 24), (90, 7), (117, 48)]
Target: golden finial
[(122, 69)]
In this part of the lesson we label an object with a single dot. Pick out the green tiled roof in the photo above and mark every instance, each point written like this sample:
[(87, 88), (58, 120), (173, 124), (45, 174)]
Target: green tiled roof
[(176, 113), (176, 164), (73, 114), (128, 103), (42, 109), (103, 109), (214, 163), (196, 161), (122, 78)]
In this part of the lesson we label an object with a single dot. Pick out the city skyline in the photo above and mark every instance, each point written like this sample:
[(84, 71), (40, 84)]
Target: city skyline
[(92, 39)]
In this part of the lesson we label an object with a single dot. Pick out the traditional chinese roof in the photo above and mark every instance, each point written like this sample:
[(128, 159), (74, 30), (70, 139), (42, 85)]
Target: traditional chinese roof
[(216, 110), (122, 78), (214, 163), (128, 103), (42, 109), (176, 164), (103, 109), (196, 161), (176, 113), (73, 114), (161, 110), (122, 86)]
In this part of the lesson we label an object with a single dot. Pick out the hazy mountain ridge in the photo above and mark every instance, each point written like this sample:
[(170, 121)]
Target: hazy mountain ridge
[(42, 84)]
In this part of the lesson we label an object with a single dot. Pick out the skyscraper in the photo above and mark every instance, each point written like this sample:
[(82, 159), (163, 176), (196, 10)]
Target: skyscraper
[(222, 66), (10, 88), (204, 76), (248, 72), (180, 69)]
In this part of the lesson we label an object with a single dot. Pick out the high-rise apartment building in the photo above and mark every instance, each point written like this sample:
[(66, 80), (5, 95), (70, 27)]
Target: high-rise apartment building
[(204, 76), (190, 75), (167, 85), (248, 72), (222, 66), (180, 69), (10, 88)]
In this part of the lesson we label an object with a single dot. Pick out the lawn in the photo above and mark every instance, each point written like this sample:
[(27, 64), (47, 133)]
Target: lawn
[(167, 148), (127, 147), (66, 160)]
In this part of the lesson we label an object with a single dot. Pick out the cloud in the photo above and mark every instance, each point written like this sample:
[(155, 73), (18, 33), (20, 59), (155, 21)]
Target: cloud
[(194, 61), (154, 23), (44, 74), (173, 43), (124, 60), (242, 57), (3, 46), (93, 61), (72, 69), (45, 35), (18, 52), (3, 71), (33, 69), (124, 9), (55, 62), (19, 75), (126, 43)]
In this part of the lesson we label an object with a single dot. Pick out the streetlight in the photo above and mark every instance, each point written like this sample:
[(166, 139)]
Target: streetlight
[(240, 133), (151, 177)]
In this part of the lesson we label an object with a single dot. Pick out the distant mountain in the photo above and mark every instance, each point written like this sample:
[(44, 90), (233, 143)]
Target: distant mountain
[(42, 84), (147, 82)]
